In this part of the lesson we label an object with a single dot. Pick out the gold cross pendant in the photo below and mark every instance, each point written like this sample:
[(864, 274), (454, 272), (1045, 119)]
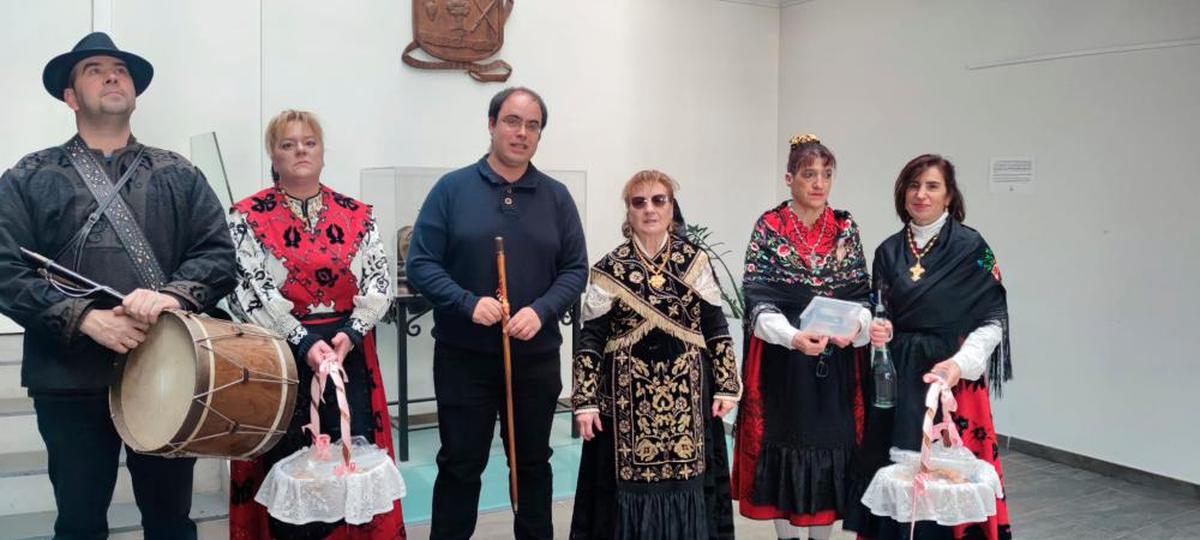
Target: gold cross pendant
[(916, 271), (657, 281)]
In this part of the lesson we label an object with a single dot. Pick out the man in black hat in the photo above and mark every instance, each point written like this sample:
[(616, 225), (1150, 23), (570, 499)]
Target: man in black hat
[(139, 219)]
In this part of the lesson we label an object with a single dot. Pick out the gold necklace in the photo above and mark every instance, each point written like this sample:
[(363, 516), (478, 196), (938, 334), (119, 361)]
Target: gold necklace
[(656, 273), (917, 270)]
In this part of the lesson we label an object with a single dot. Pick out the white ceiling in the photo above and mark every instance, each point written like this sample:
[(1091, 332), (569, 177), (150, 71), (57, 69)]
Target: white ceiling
[(769, 3)]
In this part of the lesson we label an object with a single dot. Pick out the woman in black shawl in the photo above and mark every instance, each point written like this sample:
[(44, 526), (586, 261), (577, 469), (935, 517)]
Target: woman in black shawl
[(943, 293), (654, 374), (797, 422)]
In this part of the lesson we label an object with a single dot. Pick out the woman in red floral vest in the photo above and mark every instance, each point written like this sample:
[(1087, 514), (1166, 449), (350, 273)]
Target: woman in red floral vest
[(802, 408), (312, 268)]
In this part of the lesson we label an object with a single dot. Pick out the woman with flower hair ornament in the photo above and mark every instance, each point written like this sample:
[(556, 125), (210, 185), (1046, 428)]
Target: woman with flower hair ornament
[(802, 410)]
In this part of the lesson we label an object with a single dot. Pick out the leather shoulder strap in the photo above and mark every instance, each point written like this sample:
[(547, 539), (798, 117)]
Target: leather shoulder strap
[(113, 207)]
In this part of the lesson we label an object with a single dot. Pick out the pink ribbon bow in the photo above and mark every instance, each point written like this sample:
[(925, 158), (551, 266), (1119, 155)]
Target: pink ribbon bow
[(346, 468), (330, 369), (938, 391), (321, 446)]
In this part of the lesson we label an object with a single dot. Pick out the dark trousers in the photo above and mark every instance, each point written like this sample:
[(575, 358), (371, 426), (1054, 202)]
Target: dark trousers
[(470, 398), (83, 449)]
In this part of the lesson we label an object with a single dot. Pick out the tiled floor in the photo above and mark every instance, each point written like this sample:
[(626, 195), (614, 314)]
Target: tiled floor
[(420, 470), (1048, 501)]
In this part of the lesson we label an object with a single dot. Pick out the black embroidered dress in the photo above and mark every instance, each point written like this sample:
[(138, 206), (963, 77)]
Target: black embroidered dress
[(959, 291), (654, 354)]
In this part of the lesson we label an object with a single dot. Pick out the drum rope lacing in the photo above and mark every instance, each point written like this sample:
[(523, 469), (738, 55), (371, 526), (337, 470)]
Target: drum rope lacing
[(235, 427)]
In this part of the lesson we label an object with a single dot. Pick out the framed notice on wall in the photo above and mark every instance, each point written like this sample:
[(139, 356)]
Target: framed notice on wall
[(1011, 175)]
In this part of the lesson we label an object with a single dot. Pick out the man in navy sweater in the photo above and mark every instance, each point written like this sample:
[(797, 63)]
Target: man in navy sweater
[(452, 261)]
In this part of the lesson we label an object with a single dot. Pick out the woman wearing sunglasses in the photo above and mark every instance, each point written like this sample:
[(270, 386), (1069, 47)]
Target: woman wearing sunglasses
[(797, 422), (654, 374)]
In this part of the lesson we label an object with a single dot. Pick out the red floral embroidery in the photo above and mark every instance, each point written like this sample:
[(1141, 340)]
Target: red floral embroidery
[(817, 240), (781, 249), (318, 260)]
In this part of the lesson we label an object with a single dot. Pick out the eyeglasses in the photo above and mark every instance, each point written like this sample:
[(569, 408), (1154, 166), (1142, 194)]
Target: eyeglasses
[(658, 201), (515, 122)]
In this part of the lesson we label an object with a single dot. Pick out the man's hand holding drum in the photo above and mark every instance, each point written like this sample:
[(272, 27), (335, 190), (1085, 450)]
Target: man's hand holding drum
[(124, 327)]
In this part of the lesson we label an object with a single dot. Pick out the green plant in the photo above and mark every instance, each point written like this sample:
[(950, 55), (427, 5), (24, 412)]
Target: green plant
[(731, 292)]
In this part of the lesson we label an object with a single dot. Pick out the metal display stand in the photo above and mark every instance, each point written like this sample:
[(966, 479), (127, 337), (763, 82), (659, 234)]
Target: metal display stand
[(407, 311)]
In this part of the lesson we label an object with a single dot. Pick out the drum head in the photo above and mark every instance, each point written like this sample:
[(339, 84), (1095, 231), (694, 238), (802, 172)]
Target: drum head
[(158, 384)]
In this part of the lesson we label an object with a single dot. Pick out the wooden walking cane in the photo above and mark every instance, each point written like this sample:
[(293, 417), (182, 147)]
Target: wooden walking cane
[(508, 389)]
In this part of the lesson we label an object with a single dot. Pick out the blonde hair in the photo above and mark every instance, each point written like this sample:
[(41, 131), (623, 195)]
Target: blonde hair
[(279, 123), (647, 177)]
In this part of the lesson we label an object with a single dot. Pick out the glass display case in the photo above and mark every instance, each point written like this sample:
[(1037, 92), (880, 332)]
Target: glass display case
[(206, 155)]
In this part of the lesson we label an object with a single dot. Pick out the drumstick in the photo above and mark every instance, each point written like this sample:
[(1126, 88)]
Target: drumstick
[(55, 272), (508, 393)]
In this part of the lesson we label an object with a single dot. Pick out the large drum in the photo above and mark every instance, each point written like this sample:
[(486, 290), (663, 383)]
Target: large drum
[(200, 386)]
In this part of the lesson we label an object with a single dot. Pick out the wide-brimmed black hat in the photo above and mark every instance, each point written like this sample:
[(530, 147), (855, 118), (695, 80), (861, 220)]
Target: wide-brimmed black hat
[(58, 70)]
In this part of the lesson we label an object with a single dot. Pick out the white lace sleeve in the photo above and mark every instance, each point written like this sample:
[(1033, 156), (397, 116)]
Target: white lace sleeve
[(973, 355), (596, 302), (374, 282), (256, 299), (707, 286)]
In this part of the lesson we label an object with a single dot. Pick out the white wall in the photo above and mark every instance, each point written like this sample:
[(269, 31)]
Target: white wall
[(206, 76), (682, 85), (686, 86), (32, 119), (1099, 260)]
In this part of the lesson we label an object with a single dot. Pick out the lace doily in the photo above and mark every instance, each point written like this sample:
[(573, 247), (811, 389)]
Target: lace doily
[(962, 489), (303, 487)]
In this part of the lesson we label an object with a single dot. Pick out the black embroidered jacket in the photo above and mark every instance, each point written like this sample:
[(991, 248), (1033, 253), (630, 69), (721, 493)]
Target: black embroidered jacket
[(654, 344), (43, 203)]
